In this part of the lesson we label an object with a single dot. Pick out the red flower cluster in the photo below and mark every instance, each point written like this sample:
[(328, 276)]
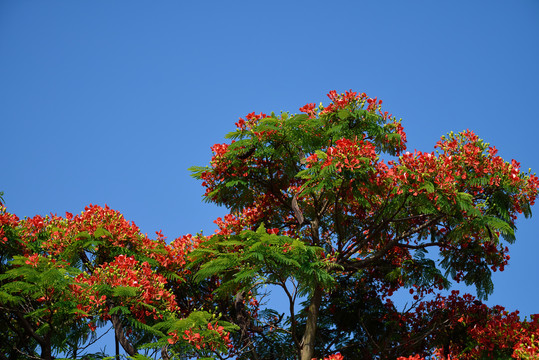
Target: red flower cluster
[(350, 154), (120, 231), (252, 120), (309, 109), (27, 230), (33, 260), (6, 220), (234, 224), (213, 340), (125, 272), (337, 356), (349, 97), (494, 332)]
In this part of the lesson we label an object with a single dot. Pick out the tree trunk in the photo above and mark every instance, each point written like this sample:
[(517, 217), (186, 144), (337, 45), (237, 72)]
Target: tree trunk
[(46, 347), (46, 352), (119, 332), (308, 341), (117, 345)]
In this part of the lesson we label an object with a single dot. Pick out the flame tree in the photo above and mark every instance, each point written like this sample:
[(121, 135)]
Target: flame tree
[(329, 206), (62, 277)]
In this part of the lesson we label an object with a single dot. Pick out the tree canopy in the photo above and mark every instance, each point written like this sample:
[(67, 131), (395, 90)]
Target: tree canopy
[(327, 207)]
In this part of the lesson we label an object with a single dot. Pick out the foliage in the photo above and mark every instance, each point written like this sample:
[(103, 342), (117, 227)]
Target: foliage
[(62, 278), (327, 207), (339, 178)]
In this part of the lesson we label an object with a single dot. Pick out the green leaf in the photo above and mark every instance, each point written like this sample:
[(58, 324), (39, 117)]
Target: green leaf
[(7, 298), (83, 235), (300, 117), (234, 183), (140, 357), (100, 232), (261, 229), (428, 186), (119, 310), (125, 291), (344, 114)]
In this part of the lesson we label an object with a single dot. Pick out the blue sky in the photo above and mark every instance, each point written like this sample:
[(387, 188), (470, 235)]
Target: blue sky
[(109, 102)]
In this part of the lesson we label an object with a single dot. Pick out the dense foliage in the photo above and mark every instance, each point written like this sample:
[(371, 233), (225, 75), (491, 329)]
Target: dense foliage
[(327, 208), (62, 277)]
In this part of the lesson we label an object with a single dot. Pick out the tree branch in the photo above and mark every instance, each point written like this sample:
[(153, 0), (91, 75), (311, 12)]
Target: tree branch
[(119, 332), (379, 254), (29, 328)]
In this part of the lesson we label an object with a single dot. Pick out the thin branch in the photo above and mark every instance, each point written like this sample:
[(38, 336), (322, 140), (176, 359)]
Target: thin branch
[(29, 328), (379, 254), (291, 302), (416, 247), (94, 341), (376, 230)]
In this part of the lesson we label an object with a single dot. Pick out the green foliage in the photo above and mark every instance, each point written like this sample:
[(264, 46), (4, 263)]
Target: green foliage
[(252, 259), (38, 292), (338, 180), (359, 218)]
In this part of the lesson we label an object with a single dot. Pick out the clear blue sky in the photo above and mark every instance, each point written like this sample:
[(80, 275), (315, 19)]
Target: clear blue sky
[(109, 102)]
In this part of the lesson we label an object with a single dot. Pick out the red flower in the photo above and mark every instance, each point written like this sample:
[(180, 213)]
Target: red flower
[(33, 260), (309, 109)]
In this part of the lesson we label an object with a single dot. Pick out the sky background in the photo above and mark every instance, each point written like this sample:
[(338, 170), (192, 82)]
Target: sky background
[(110, 102)]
